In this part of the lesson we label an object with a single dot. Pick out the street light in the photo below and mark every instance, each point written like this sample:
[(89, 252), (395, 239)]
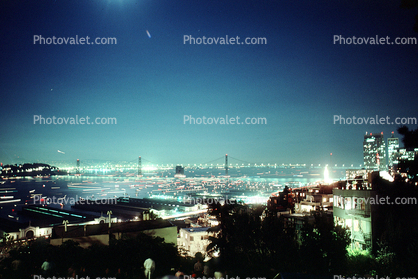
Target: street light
[(110, 214), (65, 222)]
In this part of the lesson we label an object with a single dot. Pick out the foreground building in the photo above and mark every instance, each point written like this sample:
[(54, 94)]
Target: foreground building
[(351, 211), (309, 199), (15, 231), (88, 235), (355, 209), (193, 240)]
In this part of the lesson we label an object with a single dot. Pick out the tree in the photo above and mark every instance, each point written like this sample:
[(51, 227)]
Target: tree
[(361, 262), (411, 4), (396, 228), (410, 137), (220, 244), (252, 244), (409, 167), (6, 241), (280, 244), (324, 246), (410, 140)]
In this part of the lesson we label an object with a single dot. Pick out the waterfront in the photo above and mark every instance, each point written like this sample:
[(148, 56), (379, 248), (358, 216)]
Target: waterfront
[(62, 192)]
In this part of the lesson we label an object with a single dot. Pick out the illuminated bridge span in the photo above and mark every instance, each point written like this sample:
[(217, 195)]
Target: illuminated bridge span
[(141, 165)]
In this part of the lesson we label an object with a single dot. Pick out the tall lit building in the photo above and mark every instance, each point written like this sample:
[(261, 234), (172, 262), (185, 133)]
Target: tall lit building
[(374, 151), (179, 172), (393, 145)]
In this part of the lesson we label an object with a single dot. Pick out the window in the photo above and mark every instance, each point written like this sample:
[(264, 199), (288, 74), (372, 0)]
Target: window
[(356, 225), (363, 225), (338, 202), (348, 223), (347, 203), (191, 238), (359, 203)]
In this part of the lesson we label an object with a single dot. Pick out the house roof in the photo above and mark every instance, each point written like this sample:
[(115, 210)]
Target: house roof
[(48, 216), (197, 230), (99, 229)]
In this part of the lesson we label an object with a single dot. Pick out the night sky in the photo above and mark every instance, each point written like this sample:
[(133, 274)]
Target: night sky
[(298, 81)]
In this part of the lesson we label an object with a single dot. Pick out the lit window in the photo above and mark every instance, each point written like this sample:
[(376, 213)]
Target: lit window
[(363, 205), (356, 226), (347, 203), (348, 223)]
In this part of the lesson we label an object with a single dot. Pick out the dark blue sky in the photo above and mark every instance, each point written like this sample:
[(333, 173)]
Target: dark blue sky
[(298, 81)]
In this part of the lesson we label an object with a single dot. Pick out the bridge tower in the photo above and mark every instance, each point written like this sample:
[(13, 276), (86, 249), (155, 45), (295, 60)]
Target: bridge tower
[(226, 164), (78, 167), (139, 166)]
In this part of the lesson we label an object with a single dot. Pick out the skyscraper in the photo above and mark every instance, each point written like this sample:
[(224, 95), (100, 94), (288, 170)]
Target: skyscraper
[(393, 145), (374, 151), (179, 172)]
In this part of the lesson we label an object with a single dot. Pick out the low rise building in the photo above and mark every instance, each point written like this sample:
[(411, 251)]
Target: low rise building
[(355, 209), (193, 240), (353, 212), (314, 198), (88, 235), (15, 231)]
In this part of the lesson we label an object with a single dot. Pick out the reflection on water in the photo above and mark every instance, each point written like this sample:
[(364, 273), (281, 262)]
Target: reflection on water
[(71, 188)]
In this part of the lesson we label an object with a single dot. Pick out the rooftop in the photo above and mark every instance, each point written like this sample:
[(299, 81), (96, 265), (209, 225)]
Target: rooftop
[(99, 229), (196, 230)]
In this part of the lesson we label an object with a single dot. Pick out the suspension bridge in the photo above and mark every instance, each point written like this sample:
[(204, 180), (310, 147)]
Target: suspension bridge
[(142, 165)]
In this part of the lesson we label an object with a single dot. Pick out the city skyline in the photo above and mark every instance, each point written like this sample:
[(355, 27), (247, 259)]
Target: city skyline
[(304, 83), (390, 154)]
